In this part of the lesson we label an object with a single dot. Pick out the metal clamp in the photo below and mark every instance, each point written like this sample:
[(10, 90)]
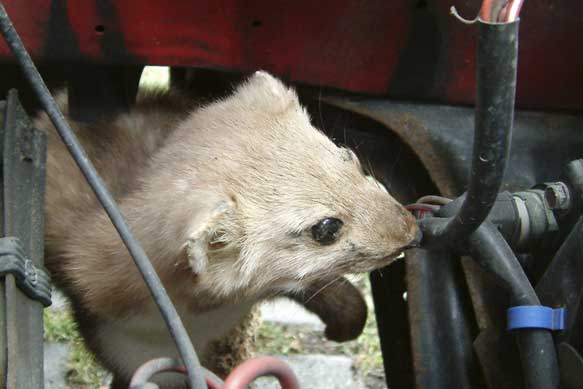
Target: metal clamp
[(33, 281), (536, 316)]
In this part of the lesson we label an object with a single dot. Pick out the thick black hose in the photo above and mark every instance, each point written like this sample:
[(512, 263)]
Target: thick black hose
[(490, 250), (496, 87), (562, 283), (144, 265), (536, 346), (440, 322)]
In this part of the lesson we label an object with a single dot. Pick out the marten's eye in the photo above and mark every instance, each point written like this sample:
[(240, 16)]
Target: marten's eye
[(326, 231)]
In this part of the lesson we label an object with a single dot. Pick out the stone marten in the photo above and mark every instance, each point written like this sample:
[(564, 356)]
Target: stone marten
[(234, 202)]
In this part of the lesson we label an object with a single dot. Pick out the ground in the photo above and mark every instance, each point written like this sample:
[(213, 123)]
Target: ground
[(287, 331)]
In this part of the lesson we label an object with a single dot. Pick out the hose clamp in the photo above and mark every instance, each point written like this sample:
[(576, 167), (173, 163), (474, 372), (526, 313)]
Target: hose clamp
[(535, 316)]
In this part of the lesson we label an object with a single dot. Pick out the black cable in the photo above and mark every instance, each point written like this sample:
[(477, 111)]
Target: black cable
[(144, 265), (496, 63), (490, 250), (536, 346)]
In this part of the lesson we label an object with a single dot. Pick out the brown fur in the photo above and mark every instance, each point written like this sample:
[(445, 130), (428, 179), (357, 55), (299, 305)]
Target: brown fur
[(222, 198)]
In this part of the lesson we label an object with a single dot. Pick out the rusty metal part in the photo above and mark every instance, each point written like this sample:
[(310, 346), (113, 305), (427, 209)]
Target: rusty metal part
[(426, 131), (441, 136), (22, 187), (254, 368), (141, 377), (239, 378), (557, 196)]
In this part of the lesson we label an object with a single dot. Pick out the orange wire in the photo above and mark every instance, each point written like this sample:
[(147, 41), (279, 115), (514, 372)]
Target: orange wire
[(500, 10)]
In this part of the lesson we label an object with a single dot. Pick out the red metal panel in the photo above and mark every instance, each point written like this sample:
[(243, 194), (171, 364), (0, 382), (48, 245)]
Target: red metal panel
[(84, 20), (402, 48), (31, 19)]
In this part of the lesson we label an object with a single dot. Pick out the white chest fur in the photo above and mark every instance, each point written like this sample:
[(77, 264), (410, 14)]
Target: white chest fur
[(135, 340)]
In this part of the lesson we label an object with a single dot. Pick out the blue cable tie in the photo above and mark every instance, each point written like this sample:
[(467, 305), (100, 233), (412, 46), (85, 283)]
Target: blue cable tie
[(535, 316)]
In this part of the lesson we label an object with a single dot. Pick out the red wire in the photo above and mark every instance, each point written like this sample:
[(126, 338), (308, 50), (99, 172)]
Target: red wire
[(506, 10), (486, 10), (420, 210)]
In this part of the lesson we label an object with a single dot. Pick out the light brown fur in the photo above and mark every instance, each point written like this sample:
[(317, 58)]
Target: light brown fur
[(222, 198)]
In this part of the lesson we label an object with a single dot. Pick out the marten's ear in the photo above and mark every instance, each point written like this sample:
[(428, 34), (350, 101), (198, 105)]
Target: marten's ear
[(203, 231), (267, 93)]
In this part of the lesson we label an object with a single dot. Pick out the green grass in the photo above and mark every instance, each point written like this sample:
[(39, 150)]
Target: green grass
[(83, 371), (365, 350), (59, 326)]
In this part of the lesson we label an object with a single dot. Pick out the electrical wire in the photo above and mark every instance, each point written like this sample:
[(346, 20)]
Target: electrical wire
[(435, 200), (513, 10), (500, 11)]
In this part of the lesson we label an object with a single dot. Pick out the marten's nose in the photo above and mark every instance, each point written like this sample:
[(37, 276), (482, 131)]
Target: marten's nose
[(416, 242)]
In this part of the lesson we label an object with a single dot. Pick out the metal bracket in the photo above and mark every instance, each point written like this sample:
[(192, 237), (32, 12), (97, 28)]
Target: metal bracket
[(33, 281)]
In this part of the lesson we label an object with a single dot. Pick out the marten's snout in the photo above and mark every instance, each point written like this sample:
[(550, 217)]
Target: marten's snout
[(411, 235), (416, 242)]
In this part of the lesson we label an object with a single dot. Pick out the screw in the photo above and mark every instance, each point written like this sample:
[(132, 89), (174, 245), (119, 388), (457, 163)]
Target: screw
[(557, 196)]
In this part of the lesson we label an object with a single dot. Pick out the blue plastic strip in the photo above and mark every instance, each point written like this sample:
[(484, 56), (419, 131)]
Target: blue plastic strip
[(536, 316)]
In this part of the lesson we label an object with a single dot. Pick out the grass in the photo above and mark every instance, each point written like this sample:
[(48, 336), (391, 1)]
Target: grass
[(83, 371), (278, 340), (365, 350), (59, 326), (271, 339)]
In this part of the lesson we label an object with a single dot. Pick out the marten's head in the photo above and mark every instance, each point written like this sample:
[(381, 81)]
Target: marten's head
[(294, 206)]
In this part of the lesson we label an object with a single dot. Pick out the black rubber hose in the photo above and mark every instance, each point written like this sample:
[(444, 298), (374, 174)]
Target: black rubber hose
[(441, 322), (490, 250), (562, 283), (158, 291), (496, 61), (537, 349)]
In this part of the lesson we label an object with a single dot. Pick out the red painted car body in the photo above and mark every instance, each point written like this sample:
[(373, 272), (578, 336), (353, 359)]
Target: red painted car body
[(400, 49)]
